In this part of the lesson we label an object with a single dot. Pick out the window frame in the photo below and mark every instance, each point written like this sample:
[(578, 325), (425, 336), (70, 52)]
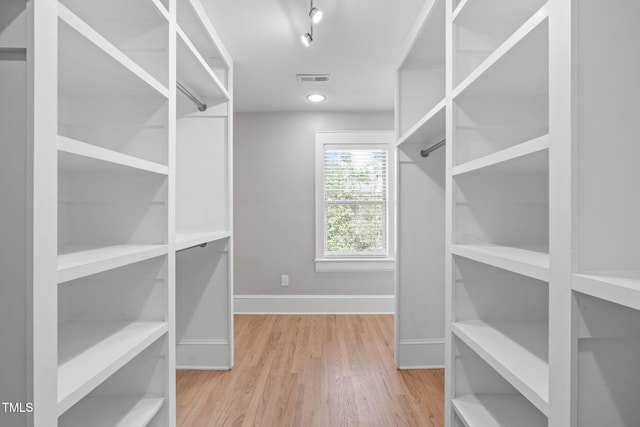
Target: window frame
[(359, 139)]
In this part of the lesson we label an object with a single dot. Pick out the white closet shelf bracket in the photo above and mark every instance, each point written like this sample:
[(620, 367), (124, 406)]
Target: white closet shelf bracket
[(201, 106)]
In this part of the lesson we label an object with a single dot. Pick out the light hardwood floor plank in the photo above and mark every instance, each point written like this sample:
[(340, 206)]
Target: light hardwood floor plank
[(312, 370)]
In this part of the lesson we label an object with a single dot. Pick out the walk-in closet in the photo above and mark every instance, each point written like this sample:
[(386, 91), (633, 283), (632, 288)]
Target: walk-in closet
[(319, 212)]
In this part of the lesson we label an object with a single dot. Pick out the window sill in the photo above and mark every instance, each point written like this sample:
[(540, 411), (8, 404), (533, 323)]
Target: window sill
[(327, 265)]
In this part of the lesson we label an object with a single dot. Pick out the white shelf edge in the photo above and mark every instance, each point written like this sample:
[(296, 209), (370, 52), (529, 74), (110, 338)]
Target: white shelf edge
[(101, 361), (438, 108), (85, 262), (102, 411), (103, 44), (205, 67), (161, 9), (458, 10), (532, 23), (487, 409), (203, 17), (522, 261), (523, 149), (503, 363), (186, 240), (83, 149), (624, 291), (419, 24)]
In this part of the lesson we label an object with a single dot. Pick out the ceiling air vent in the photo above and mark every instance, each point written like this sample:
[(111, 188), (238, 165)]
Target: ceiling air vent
[(313, 78)]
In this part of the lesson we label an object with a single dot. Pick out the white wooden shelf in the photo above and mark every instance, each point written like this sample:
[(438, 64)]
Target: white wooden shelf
[(424, 45), (497, 410), (90, 352), (74, 155), (161, 9), (516, 350), (110, 11), (620, 287), (185, 240), (83, 63), (458, 9), (193, 18), (430, 129), (527, 157), (77, 261), (528, 262), (194, 72), (111, 411), (513, 51)]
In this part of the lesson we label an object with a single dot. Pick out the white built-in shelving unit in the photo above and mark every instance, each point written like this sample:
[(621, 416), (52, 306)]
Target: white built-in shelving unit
[(420, 123), (498, 213), (541, 256), (122, 172), (204, 293), (603, 211)]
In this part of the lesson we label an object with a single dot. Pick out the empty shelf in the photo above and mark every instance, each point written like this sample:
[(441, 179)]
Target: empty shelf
[(505, 71), (527, 157), (76, 262), (194, 20), (430, 129), (112, 411), (620, 287), (80, 156), (99, 59), (191, 239), (497, 410), (531, 263), (516, 350), (195, 73), (90, 352)]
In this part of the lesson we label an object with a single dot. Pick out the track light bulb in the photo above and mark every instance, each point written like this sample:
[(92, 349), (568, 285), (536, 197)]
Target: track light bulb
[(306, 39), (315, 15)]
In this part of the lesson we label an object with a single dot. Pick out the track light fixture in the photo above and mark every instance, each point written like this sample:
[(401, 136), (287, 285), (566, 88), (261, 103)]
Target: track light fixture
[(315, 15), (307, 38)]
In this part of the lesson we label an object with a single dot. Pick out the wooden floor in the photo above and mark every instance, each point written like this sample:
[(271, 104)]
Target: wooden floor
[(312, 370)]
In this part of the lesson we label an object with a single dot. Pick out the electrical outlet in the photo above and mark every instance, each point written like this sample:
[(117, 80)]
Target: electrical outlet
[(284, 280)]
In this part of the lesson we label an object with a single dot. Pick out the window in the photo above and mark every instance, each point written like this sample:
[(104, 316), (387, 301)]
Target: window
[(353, 215)]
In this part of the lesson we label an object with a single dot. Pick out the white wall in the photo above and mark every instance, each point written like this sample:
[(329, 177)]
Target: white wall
[(274, 204)]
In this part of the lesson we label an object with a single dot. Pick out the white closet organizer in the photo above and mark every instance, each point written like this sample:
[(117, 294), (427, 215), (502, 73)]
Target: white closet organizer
[(498, 214), (605, 274), (541, 257), (137, 172), (113, 209), (204, 293), (420, 125)]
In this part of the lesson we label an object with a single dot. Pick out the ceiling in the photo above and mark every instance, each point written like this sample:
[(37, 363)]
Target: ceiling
[(357, 42)]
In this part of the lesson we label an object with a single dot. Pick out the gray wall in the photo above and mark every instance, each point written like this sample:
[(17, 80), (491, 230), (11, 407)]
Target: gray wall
[(274, 217)]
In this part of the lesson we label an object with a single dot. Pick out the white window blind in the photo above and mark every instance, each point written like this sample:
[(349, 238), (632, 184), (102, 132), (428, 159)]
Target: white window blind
[(355, 201)]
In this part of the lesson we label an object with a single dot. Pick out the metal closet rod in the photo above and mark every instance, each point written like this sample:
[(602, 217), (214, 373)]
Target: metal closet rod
[(434, 147), (201, 106), (202, 245)]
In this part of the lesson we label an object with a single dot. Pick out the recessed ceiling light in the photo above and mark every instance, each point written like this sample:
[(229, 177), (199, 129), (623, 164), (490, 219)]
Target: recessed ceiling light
[(315, 15), (316, 97), (306, 39)]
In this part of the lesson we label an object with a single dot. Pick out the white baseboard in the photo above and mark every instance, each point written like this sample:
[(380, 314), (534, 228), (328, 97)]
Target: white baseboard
[(314, 304), (203, 354), (421, 354)]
